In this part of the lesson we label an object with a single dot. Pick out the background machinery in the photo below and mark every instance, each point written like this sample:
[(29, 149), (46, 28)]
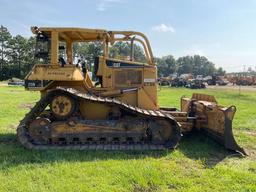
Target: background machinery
[(120, 110)]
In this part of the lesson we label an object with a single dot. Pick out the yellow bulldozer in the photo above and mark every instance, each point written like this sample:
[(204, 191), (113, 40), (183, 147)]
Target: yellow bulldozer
[(118, 110)]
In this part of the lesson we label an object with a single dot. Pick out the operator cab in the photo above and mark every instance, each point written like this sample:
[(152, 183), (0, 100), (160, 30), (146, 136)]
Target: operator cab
[(116, 59), (65, 43)]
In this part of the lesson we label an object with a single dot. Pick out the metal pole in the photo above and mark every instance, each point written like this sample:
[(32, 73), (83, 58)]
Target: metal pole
[(132, 49)]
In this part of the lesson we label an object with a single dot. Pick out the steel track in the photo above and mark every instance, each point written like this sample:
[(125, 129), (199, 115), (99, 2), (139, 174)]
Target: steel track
[(25, 139)]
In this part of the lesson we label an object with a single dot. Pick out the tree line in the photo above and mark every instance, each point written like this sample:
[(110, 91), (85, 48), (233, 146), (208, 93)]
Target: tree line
[(16, 54), (195, 65), (17, 57)]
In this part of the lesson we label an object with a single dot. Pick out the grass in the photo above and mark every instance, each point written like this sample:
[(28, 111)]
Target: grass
[(199, 164)]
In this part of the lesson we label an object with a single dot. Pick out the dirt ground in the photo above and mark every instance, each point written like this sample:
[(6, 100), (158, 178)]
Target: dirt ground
[(3, 83)]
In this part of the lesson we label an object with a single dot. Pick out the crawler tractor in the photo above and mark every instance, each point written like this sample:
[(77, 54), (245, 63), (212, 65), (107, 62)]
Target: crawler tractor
[(119, 109)]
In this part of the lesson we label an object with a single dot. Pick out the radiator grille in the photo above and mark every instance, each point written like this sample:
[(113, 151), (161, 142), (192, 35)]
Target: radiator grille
[(128, 77)]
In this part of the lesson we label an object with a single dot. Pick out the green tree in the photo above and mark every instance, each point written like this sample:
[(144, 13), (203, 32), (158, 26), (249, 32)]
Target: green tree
[(21, 56), (201, 66), (29, 59), (196, 65), (123, 50), (17, 54), (185, 65), (166, 65), (220, 71), (87, 51), (94, 50), (139, 54), (5, 36)]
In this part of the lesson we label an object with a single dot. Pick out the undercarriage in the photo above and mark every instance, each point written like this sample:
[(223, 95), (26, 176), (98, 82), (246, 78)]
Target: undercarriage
[(63, 126)]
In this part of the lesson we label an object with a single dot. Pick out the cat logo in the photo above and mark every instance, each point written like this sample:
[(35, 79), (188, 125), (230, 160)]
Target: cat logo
[(116, 64)]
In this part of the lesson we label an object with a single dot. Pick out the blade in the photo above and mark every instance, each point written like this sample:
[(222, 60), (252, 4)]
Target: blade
[(213, 119)]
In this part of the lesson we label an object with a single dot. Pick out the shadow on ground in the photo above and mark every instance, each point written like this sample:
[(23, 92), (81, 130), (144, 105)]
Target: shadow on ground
[(194, 146), (198, 146)]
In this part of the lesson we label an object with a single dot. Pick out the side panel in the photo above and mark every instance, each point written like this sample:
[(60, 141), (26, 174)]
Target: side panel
[(145, 101), (150, 88), (42, 76), (47, 72), (125, 75)]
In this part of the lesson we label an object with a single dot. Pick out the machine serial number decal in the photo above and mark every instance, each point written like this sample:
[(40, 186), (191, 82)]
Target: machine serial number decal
[(56, 73), (149, 80)]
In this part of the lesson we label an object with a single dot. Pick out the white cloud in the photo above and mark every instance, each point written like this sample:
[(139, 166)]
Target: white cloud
[(106, 4), (163, 28)]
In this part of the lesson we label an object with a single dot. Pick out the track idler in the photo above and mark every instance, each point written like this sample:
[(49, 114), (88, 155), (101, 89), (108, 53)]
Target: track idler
[(213, 119)]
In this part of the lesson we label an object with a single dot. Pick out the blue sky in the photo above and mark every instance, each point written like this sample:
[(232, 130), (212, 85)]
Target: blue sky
[(222, 30)]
